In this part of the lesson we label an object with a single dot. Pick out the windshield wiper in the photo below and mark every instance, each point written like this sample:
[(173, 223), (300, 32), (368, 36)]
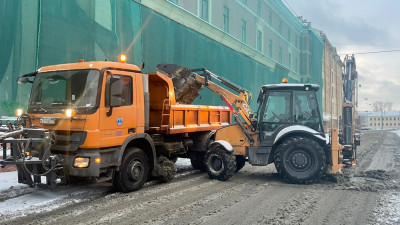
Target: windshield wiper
[(40, 107)]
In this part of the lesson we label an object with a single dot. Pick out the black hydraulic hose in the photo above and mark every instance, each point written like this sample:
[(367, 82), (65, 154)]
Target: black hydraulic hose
[(24, 163)]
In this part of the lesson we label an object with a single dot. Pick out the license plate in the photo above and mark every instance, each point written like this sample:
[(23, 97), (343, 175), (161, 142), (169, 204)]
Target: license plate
[(48, 121)]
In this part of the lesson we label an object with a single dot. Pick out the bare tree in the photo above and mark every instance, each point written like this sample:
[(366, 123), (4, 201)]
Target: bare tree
[(388, 106), (379, 106)]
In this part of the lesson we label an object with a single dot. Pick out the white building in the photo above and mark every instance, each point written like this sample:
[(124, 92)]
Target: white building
[(380, 120)]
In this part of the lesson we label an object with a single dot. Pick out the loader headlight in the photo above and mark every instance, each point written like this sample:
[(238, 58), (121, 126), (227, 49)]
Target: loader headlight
[(81, 162), (19, 112)]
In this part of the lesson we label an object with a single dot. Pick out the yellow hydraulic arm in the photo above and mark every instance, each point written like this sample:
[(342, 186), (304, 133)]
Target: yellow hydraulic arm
[(240, 100)]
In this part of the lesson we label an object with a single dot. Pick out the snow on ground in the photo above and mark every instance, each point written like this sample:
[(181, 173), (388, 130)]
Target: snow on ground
[(389, 213), (9, 180), (37, 200)]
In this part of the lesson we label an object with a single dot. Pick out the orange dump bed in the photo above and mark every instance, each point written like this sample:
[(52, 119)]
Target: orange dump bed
[(191, 118)]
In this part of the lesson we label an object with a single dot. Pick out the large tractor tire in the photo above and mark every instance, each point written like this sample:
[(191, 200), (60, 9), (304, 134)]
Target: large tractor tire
[(300, 160), (133, 172), (240, 162), (220, 164)]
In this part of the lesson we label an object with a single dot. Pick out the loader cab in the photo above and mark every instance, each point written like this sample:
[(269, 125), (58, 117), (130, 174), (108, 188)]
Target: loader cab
[(286, 105)]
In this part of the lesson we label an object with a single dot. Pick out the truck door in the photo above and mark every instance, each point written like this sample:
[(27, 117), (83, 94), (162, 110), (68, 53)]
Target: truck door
[(118, 122)]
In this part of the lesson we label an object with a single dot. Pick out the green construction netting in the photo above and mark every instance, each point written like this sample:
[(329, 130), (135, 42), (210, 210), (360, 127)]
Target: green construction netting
[(36, 33)]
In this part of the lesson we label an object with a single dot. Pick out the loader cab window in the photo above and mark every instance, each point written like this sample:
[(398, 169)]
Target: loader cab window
[(305, 110), (276, 112), (127, 90)]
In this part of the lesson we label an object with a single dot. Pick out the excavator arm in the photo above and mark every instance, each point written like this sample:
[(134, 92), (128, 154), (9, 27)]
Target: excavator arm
[(192, 77)]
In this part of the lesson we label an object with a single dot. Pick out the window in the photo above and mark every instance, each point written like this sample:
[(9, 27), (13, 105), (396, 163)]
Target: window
[(244, 31), (288, 35), (259, 41), (296, 64), (379, 118), (127, 92), (290, 60), (295, 41), (280, 55), (386, 124), (204, 10), (371, 124), (374, 118), (379, 124), (270, 48), (270, 17), (226, 19), (258, 7)]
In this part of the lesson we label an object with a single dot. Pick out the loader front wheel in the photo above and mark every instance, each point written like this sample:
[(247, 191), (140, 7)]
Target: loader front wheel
[(133, 172), (300, 160), (220, 164)]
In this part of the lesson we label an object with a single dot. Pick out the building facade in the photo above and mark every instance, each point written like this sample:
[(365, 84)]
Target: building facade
[(249, 42), (380, 120), (332, 91)]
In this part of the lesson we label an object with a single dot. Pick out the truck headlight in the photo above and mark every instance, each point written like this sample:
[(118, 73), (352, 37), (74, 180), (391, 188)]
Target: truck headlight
[(81, 162), (70, 112), (19, 112)]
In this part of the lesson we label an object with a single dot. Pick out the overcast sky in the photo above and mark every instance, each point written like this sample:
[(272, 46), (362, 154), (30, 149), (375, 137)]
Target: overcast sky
[(357, 26)]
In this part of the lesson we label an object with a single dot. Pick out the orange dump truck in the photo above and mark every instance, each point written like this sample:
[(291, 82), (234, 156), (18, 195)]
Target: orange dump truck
[(107, 120)]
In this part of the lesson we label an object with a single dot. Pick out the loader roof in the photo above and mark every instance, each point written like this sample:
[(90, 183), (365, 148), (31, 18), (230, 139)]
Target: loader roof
[(289, 87)]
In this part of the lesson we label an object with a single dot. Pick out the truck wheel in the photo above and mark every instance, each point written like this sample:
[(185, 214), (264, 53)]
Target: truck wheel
[(240, 162), (133, 172), (300, 160), (197, 160), (220, 164)]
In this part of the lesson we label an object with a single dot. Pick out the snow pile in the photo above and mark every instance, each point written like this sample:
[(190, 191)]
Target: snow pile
[(18, 199)]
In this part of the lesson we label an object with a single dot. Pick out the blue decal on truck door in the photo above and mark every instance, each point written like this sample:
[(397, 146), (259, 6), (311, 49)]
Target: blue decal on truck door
[(119, 121)]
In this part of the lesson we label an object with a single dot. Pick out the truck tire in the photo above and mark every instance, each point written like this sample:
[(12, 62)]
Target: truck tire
[(133, 172), (240, 162), (300, 160), (197, 161), (220, 164)]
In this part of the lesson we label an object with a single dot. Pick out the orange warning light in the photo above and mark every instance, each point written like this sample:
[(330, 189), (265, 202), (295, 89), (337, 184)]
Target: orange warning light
[(97, 160), (122, 58), (284, 80)]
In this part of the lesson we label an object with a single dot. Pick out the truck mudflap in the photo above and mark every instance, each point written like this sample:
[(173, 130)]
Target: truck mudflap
[(29, 150)]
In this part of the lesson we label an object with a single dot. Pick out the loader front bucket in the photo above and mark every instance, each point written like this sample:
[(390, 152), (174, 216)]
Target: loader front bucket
[(186, 87)]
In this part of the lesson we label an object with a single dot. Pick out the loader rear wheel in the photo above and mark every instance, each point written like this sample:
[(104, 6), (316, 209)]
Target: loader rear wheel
[(133, 172), (240, 162), (220, 164), (300, 160)]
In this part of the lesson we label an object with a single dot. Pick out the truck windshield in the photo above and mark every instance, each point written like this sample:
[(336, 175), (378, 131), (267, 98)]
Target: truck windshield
[(71, 88)]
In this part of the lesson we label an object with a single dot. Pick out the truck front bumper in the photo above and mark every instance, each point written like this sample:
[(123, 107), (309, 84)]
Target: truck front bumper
[(92, 169)]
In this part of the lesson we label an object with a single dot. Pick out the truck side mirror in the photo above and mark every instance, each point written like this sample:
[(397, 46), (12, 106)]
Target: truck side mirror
[(23, 80), (115, 92)]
